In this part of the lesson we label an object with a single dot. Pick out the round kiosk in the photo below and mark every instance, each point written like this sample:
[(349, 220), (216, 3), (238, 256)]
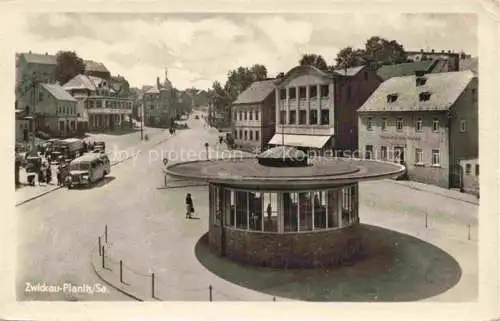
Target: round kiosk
[(282, 209)]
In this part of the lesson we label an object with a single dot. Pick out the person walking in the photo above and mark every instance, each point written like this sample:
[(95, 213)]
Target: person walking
[(40, 175), (48, 174), (189, 206), (58, 174)]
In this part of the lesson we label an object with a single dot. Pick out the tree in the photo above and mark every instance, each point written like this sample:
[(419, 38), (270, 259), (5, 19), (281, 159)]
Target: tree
[(280, 75), (121, 85), (313, 60), (385, 51), (68, 65), (349, 57)]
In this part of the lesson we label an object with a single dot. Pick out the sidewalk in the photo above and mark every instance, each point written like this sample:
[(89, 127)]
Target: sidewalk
[(448, 193)]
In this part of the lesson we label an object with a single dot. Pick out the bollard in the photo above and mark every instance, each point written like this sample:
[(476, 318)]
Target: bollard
[(121, 271), (103, 265), (210, 292), (425, 220), (106, 233), (100, 253), (468, 232), (152, 285)]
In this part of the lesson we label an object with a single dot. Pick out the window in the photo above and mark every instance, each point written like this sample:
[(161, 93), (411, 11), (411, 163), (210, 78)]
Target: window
[(271, 212), (250, 115), (368, 151), (241, 115), (290, 212), (292, 93), (325, 91), (245, 115), (256, 115), (332, 219), (399, 124), (384, 124), (383, 153), (369, 124), (325, 117), (435, 125), (251, 135), (282, 117), (319, 208), (462, 126), (313, 91), (257, 135), (283, 93), (235, 133), (435, 157), (420, 81), (255, 211), (246, 135), (419, 156), (241, 209), (425, 96), (241, 134), (313, 117), (235, 116), (302, 117), (418, 125), (467, 169), (477, 169), (302, 92), (392, 98), (293, 117)]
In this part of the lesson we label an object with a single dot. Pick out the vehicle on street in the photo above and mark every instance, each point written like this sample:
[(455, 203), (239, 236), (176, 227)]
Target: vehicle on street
[(33, 164), (88, 169), (101, 145), (70, 148)]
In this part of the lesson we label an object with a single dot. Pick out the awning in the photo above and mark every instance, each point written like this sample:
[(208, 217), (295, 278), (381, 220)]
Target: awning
[(300, 140)]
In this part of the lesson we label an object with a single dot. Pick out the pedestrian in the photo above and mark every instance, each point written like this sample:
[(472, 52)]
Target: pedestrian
[(189, 206), (48, 174), (40, 176), (58, 174)]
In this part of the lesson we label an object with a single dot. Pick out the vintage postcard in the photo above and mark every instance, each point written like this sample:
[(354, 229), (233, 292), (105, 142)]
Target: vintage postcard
[(325, 154)]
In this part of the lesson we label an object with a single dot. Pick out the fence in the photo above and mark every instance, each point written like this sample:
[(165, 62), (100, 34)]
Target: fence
[(149, 283)]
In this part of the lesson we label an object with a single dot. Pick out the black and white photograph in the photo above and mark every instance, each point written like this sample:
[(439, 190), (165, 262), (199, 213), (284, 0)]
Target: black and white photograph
[(328, 157)]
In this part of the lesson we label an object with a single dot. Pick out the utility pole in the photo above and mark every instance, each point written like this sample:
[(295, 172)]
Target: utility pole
[(142, 116)]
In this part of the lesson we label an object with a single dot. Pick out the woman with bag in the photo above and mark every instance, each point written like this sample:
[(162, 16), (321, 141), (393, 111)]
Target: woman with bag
[(189, 206)]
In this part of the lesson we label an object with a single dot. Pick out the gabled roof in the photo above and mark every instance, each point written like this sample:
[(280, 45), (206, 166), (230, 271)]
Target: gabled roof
[(80, 82), (404, 69), (349, 72), (445, 88), (91, 65), (257, 92), (34, 58), (58, 92)]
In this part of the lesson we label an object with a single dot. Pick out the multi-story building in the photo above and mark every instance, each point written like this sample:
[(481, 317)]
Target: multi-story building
[(427, 121), (158, 104), (254, 116), (98, 103), (24, 126), (452, 58), (317, 109), (34, 68), (54, 110)]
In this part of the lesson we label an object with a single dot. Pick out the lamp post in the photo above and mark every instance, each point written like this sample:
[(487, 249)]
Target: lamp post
[(142, 117)]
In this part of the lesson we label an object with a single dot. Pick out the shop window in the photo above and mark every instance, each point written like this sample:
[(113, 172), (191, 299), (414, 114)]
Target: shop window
[(325, 117), (241, 205), (313, 117), (290, 212), (271, 219), (305, 212), (255, 211), (302, 117), (332, 209), (313, 91), (292, 93), (319, 208), (230, 211), (324, 91), (293, 117)]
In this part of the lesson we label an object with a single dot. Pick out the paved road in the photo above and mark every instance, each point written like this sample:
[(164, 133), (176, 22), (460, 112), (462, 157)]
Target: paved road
[(147, 228)]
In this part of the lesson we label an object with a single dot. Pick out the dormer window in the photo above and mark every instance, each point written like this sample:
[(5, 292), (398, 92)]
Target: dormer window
[(425, 96), (421, 81), (392, 98)]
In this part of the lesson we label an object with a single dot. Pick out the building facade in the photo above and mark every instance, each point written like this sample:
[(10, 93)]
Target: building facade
[(317, 110), (429, 122), (158, 104), (254, 116), (99, 106)]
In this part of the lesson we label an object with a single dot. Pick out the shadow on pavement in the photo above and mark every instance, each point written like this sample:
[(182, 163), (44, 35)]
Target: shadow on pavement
[(106, 180), (397, 267)]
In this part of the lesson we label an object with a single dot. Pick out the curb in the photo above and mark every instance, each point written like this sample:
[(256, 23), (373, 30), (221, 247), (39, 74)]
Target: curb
[(38, 195), (102, 278), (440, 194)]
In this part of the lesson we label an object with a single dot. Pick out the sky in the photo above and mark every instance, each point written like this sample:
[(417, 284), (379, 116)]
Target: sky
[(200, 48)]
